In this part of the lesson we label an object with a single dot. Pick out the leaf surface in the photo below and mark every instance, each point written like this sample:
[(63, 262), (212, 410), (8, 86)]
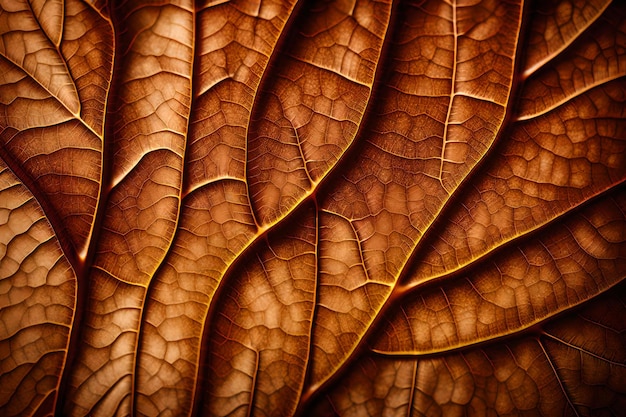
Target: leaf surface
[(347, 207)]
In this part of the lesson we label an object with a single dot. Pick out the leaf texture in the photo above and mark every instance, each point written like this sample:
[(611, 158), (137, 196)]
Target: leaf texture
[(339, 207)]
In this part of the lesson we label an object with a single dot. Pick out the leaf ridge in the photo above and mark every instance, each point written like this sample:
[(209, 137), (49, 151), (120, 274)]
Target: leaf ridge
[(529, 326), (330, 70), (581, 91), (478, 258)]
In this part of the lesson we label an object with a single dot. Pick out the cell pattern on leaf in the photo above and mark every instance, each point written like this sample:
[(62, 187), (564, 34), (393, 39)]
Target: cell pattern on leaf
[(312, 208)]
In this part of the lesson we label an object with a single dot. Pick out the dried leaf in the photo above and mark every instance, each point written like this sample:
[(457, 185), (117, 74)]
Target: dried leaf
[(347, 207)]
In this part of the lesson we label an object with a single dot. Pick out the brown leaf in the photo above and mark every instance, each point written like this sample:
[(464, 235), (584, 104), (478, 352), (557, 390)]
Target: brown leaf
[(341, 207)]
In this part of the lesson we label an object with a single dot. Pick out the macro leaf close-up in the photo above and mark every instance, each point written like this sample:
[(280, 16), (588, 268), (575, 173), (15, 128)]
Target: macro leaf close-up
[(312, 208)]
